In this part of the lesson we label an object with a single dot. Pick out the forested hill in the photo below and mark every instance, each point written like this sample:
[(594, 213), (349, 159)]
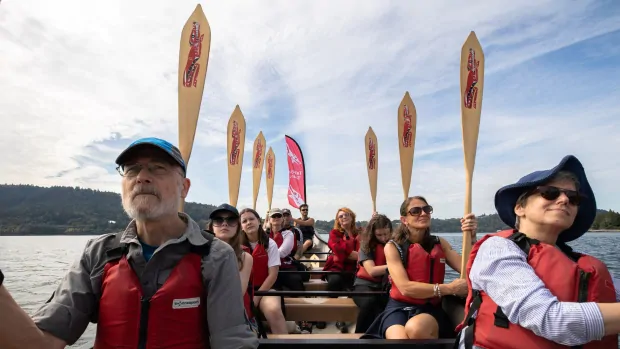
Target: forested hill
[(32, 210)]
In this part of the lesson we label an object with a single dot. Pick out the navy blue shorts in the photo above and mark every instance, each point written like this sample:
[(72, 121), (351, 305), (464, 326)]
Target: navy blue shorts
[(398, 313)]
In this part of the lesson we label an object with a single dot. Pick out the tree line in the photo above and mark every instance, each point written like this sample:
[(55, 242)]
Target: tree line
[(33, 210)]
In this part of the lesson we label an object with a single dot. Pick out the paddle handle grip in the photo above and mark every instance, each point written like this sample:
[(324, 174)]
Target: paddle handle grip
[(466, 248)]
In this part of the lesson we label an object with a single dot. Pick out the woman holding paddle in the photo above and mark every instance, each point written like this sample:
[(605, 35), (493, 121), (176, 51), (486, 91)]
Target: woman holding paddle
[(371, 270), (416, 263), (527, 287), (264, 269)]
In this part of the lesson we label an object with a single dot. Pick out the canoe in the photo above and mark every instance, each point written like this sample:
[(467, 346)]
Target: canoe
[(311, 309)]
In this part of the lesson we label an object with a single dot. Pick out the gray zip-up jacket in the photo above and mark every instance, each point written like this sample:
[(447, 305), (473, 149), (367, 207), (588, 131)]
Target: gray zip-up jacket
[(74, 303)]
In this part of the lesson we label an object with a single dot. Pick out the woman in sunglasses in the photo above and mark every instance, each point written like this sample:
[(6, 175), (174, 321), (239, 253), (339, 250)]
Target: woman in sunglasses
[(416, 262), (225, 225), (527, 288)]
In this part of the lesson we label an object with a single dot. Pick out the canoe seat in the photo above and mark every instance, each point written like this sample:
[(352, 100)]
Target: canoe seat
[(315, 285), (321, 309), (316, 336)]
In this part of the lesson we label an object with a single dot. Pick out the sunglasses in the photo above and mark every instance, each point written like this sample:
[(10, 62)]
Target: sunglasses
[(416, 211), (286, 214), (552, 193), (219, 221), (344, 215), (304, 210), (277, 215)]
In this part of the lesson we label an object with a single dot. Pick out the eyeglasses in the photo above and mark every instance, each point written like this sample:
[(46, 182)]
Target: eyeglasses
[(154, 168), (230, 221), (416, 211), (552, 193)]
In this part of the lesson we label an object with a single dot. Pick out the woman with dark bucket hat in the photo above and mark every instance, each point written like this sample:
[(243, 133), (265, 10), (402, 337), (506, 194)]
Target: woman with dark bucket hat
[(526, 287)]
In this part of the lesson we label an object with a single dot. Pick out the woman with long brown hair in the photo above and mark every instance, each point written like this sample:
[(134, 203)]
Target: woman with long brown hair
[(344, 244), (416, 263), (371, 270), (265, 269), (224, 222)]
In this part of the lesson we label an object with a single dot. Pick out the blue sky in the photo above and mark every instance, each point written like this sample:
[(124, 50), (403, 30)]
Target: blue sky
[(78, 87)]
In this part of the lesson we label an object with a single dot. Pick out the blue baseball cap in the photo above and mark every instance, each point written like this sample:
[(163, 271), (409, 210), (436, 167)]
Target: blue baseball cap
[(168, 148), (506, 197)]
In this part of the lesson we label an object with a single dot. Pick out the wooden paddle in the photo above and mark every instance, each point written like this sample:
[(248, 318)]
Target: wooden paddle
[(270, 165), (258, 158), (193, 61), (407, 119), (472, 83), (235, 147), (372, 164)]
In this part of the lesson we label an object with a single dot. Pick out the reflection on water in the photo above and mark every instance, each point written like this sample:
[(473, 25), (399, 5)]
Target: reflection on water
[(34, 265)]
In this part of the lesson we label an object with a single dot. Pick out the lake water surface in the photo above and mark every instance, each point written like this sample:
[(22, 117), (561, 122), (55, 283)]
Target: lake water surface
[(34, 265)]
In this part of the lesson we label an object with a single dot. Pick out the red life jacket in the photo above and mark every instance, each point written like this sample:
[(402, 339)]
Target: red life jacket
[(174, 317), (421, 266), (586, 280), (286, 262), (260, 266), (379, 259), (344, 263), (248, 297)]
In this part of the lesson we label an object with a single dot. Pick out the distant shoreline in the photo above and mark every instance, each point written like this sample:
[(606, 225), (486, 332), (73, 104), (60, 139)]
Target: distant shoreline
[(85, 234)]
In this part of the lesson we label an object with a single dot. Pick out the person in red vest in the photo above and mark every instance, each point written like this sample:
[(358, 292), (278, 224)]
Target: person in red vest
[(344, 243), (264, 269), (372, 269), (224, 222), (416, 262), (162, 282), (527, 287)]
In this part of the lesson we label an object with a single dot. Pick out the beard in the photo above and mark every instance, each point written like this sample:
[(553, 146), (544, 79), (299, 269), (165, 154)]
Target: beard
[(145, 203)]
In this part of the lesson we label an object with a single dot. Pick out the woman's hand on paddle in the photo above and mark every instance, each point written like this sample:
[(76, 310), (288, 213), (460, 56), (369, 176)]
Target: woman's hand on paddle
[(459, 287), (470, 223)]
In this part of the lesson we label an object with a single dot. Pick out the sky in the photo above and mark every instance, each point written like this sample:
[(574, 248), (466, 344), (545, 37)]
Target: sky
[(80, 80)]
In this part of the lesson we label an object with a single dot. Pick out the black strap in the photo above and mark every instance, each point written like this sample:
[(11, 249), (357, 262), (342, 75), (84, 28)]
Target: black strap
[(501, 320), (523, 241)]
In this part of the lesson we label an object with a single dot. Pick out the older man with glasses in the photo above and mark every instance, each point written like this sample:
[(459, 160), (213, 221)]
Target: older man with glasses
[(161, 282)]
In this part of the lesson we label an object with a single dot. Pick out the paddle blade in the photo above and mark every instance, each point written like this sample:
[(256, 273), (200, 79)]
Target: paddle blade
[(258, 156), (407, 119), (472, 83), (235, 146), (193, 60), (372, 164), (270, 165)]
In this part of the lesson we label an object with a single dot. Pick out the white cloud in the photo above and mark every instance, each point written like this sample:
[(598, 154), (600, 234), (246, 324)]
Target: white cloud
[(76, 75)]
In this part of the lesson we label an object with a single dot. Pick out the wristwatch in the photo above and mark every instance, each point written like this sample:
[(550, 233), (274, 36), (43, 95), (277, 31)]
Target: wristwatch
[(1, 277)]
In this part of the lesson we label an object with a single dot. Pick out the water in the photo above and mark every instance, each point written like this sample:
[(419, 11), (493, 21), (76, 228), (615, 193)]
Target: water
[(34, 265)]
